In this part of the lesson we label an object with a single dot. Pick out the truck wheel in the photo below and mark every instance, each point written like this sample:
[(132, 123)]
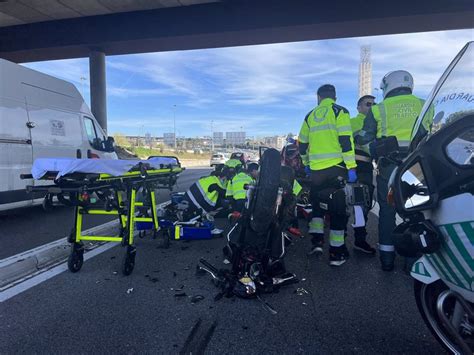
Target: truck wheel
[(263, 209), (426, 296)]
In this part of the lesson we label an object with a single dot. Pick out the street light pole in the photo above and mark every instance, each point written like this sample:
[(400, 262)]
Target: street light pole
[(174, 125), (212, 136)]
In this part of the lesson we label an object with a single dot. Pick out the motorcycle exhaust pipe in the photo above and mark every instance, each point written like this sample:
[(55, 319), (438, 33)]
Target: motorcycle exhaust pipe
[(447, 323)]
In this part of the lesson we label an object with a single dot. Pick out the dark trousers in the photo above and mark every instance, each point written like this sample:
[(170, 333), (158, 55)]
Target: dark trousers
[(365, 175), (323, 180)]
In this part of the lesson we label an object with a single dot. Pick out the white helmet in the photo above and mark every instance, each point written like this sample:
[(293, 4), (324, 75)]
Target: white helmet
[(396, 79)]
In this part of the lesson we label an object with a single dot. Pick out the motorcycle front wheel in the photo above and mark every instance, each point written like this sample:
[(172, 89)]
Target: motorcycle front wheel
[(426, 296)]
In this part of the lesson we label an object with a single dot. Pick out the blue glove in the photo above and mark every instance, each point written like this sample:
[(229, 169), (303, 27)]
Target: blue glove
[(352, 176), (307, 170)]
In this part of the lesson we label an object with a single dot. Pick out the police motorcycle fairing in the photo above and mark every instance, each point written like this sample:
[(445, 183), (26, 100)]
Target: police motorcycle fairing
[(257, 240), (433, 191)]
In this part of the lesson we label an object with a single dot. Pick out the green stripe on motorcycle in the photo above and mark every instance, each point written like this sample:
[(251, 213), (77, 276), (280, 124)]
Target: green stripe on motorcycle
[(467, 227), (452, 272), (465, 274), (460, 246), (439, 268)]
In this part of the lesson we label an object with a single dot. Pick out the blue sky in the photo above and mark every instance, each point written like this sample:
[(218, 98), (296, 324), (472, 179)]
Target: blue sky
[(264, 89)]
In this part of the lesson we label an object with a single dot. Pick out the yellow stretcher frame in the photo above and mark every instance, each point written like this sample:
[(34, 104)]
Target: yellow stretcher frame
[(129, 184)]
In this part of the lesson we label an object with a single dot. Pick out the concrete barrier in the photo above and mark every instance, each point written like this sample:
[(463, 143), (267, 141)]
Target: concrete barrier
[(194, 162)]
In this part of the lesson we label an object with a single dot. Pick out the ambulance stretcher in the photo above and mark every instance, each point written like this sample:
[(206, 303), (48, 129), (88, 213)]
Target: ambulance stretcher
[(122, 188)]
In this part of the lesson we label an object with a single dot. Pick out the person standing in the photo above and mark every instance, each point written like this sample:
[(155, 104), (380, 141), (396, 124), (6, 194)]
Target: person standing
[(326, 144), (393, 117), (365, 169)]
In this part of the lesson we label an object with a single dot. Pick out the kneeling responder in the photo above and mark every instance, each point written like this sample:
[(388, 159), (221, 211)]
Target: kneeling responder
[(236, 192), (326, 143), (394, 116), (365, 169), (206, 193)]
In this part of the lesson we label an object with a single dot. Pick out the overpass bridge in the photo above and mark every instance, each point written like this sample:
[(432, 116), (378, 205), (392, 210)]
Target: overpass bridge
[(37, 30)]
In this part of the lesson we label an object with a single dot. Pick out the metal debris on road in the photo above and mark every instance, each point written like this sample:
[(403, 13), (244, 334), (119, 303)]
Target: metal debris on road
[(300, 291), (130, 290), (196, 299)]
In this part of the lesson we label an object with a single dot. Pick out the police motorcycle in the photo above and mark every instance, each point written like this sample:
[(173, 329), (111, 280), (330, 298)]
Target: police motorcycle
[(433, 191)]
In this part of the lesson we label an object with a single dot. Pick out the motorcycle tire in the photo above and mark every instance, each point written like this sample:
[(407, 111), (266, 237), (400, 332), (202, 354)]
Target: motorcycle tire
[(426, 296), (263, 210)]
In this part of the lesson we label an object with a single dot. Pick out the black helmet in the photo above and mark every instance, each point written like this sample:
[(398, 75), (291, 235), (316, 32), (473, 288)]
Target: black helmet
[(252, 167)]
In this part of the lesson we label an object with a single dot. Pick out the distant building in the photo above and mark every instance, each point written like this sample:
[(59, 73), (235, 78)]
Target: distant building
[(218, 138), (234, 138), (169, 139), (276, 142), (365, 72), (148, 138)]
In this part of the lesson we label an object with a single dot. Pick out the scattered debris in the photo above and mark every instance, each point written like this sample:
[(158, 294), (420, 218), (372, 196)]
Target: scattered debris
[(115, 272), (304, 304), (300, 291), (196, 299), (97, 282), (130, 290), (179, 294), (303, 279), (187, 268)]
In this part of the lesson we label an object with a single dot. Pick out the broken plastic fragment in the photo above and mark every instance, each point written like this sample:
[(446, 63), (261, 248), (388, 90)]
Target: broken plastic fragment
[(130, 290)]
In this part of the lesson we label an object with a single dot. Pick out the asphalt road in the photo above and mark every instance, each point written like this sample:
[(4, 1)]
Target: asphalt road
[(26, 228), (356, 308)]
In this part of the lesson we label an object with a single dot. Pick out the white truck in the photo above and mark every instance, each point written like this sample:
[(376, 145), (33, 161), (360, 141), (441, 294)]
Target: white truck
[(41, 116)]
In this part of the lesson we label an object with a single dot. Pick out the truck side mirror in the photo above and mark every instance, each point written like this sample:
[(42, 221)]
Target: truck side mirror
[(109, 144)]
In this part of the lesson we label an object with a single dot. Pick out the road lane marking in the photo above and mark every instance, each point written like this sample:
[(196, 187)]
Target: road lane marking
[(35, 278), (43, 275)]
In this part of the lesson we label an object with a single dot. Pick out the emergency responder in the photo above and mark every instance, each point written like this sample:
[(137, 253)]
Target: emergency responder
[(326, 145), (394, 116), (365, 169), (236, 192), (206, 193)]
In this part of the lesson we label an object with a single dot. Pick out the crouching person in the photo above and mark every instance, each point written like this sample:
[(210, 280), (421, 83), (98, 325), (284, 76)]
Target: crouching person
[(206, 194), (236, 192)]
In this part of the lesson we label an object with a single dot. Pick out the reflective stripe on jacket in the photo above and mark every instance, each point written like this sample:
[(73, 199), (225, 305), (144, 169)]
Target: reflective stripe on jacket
[(327, 131), (200, 195), (236, 189), (396, 116)]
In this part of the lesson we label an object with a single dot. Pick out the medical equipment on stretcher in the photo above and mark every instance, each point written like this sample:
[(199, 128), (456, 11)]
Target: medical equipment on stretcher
[(124, 188)]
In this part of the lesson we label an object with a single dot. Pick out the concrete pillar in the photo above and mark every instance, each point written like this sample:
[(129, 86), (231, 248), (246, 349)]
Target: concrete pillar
[(98, 87)]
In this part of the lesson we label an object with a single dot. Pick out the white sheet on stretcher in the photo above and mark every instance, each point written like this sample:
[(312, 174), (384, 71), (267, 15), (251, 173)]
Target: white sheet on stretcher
[(112, 167)]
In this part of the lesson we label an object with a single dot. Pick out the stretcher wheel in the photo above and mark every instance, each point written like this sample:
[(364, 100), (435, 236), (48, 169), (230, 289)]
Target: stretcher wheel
[(163, 238), (75, 259), (129, 261)]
